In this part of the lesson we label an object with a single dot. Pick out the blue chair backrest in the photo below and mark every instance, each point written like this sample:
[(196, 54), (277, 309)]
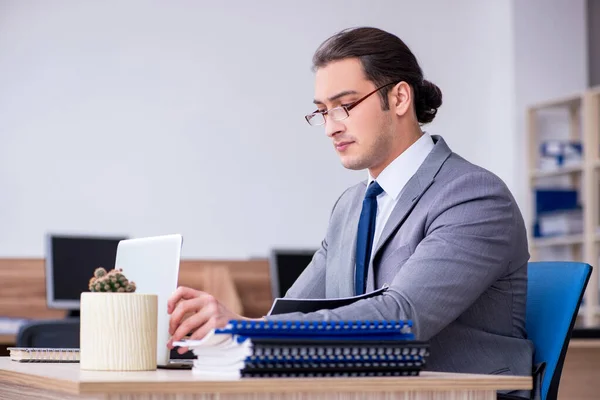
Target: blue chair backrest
[(554, 293)]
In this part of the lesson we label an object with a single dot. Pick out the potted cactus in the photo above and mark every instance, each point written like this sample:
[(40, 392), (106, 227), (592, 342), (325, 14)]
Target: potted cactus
[(113, 281), (118, 326)]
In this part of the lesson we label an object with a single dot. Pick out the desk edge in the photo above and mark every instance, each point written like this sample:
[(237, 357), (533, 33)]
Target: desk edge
[(302, 385)]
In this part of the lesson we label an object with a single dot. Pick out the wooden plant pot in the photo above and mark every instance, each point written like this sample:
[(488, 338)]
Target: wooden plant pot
[(118, 331)]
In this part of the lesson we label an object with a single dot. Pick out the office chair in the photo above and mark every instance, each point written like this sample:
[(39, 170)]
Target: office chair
[(554, 294), (62, 333)]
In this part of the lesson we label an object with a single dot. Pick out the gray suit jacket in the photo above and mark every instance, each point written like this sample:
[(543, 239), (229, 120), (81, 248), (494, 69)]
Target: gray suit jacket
[(454, 253)]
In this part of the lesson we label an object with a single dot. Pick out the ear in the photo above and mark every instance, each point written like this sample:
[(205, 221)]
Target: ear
[(401, 98)]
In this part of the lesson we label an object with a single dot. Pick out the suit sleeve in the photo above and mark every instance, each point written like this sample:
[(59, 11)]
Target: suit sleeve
[(467, 246)]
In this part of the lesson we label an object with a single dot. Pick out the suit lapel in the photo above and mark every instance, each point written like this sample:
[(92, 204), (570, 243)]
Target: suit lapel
[(414, 189), (348, 255)]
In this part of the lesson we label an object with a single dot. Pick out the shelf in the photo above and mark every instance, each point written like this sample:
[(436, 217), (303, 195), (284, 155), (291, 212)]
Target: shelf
[(584, 344), (568, 101), (536, 174), (582, 311), (557, 241), (580, 112), (561, 240)]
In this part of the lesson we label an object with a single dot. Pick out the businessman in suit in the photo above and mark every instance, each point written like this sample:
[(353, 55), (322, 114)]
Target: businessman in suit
[(444, 235)]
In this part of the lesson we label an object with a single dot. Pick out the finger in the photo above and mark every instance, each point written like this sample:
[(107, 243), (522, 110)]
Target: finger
[(183, 307), (180, 293), (204, 329), (201, 332), (170, 343), (195, 321)]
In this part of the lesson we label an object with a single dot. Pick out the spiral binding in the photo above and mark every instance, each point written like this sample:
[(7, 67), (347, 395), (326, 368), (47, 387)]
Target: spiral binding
[(347, 347), (326, 326), (33, 354), (334, 359), (339, 366), (265, 373), (399, 328)]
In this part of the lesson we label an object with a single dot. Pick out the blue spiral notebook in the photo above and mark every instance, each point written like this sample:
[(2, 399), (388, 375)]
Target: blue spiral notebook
[(322, 330)]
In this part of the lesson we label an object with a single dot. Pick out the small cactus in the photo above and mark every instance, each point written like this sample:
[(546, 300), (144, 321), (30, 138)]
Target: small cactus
[(113, 281)]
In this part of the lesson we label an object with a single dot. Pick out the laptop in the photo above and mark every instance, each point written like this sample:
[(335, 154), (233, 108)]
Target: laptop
[(153, 264)]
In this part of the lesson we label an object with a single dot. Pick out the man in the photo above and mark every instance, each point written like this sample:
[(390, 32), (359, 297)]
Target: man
[(445, 235)]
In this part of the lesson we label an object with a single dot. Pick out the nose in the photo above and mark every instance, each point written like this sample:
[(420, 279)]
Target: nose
[(333, 127)]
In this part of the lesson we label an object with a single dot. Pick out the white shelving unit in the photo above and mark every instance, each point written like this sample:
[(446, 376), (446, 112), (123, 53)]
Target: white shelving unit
[(583, 112)]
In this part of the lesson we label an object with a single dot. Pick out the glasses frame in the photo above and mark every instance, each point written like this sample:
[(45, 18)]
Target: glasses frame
[(346, 108)]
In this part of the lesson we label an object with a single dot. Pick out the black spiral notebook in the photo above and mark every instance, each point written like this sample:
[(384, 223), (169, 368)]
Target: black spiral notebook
[(290, 357), (327, 371), (357, 350)]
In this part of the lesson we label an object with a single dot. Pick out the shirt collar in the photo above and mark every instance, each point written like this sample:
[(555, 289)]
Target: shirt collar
[(395, 176)]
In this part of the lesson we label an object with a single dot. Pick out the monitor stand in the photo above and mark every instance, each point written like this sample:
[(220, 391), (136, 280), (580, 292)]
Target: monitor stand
[(73, 314)]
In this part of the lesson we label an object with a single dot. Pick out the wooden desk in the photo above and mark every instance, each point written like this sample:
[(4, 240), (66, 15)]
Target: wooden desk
[(67, 381)]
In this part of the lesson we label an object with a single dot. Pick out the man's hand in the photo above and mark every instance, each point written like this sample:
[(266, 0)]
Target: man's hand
[(203, 312)]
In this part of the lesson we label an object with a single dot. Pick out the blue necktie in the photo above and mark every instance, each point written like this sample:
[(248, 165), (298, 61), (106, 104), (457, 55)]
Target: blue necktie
[(364, 237)]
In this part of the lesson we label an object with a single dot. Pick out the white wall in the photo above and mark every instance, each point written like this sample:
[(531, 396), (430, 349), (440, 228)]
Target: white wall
[(551, 62), (185, 116), (593, 36)]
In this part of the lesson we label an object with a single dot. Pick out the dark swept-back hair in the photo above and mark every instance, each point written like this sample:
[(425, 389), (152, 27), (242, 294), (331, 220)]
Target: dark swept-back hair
[(385, 59)]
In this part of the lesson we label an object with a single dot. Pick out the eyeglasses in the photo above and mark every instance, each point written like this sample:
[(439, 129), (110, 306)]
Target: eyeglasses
[(338, 113)]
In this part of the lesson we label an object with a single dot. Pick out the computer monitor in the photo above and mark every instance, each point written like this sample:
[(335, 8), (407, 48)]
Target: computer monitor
[(286, 265), (70, 263)]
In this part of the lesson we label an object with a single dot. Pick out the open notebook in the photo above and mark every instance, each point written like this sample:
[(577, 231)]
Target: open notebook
[(284, 305), (30, 354)]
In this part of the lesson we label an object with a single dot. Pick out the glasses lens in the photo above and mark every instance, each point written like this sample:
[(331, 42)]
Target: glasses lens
[(338, 113), (315, 119)]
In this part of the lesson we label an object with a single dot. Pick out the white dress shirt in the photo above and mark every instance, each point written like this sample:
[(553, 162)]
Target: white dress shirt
[(393, 179)]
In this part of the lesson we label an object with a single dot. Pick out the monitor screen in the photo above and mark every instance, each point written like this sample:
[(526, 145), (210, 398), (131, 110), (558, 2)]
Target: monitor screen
[(70, 263), (285, 267)]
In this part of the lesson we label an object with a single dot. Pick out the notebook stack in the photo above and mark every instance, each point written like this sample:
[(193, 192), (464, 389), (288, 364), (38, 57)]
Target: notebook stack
[(309, 349), (218, 355)]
